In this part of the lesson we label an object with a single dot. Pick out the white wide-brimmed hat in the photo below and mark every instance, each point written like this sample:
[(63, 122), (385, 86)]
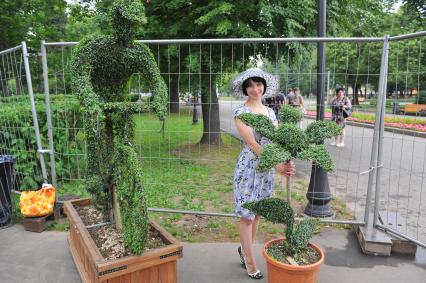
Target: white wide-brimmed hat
[(272, 82)]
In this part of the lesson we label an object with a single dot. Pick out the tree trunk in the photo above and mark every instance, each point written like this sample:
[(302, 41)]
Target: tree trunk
[(210, 110), (355, 100), (174, 95)]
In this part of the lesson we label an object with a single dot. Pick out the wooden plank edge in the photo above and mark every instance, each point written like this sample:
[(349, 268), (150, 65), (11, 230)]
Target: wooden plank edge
[(83, 274), (127, 269), (162, 254), (81, 228)]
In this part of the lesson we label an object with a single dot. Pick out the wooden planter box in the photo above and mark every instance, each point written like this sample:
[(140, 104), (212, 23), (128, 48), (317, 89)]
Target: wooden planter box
[(156, 265)]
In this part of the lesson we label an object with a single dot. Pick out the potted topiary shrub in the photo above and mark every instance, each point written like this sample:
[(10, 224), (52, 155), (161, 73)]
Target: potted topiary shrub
[(100, 70), (293, 258)]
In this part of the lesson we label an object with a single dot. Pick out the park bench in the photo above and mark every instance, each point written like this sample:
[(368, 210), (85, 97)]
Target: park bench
[(413, 108)]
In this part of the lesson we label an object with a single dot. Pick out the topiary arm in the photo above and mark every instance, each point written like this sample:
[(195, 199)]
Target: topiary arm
[(319, 130), (272, 155), (81, 68), (260, 123), (141, 60), (82, 86), (318, 153)]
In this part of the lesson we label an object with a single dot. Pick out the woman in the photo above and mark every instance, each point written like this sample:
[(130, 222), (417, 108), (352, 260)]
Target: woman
[(338, 104), (295, 99), (249, 184)]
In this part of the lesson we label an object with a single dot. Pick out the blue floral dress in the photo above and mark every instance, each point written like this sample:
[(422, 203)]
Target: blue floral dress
[(249, 184)]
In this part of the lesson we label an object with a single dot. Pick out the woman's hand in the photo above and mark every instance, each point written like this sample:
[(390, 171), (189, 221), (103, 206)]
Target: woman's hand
[(287, 169)]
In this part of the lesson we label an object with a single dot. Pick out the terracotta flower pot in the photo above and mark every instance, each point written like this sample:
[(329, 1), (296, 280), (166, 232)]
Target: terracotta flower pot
[(279, 272)]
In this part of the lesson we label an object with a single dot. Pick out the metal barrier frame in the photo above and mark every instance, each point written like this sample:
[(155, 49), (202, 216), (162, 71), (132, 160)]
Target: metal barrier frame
[(377, 148)]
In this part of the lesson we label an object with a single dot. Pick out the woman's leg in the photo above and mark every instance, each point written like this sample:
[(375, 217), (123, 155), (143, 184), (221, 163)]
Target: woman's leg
[(342, 141), (245, 228), (254, 228)]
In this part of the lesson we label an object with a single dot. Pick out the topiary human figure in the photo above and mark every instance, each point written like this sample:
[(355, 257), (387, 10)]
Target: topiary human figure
[(101, 68)]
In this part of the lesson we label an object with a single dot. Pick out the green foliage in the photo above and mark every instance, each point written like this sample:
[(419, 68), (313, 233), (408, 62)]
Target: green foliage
[(319, 130), (101, 69), (17, 136), (31, 21), (301, 234), (128, 186), (261, 123), (317, 153), (291, 138), (279, 211), (289, 141), (272, 154), (290, 115)]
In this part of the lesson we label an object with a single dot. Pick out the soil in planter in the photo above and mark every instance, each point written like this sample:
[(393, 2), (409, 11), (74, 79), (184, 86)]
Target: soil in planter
[(279, 251), (107, 238)]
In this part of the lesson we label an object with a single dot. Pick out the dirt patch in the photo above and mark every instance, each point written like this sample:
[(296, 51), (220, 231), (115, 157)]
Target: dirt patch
[(279, 251), (107, 238)]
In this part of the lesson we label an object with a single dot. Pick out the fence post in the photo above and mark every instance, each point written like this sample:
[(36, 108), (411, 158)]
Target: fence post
[(40, 150), (48, 113), (382, 91), (375, 147)]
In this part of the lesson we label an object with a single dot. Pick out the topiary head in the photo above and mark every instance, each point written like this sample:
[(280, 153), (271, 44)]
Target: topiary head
[(127, 16)]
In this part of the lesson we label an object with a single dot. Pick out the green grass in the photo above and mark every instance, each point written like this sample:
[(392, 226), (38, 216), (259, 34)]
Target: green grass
[(179, 173)]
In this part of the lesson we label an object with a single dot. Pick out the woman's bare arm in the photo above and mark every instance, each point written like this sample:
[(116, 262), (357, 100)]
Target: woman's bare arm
[(248, 136)]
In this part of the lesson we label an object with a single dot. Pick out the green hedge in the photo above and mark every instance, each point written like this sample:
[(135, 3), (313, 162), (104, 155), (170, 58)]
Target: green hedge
[(17, 137)]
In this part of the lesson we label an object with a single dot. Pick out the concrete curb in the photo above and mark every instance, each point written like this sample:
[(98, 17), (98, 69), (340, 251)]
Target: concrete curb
[(387, 129)]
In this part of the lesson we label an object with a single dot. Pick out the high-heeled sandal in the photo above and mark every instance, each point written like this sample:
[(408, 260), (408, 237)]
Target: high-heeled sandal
[(243, 261), (255, 275)]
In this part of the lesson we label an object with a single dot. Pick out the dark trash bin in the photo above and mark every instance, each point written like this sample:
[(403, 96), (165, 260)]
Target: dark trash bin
[(6, 185), (395, 108)]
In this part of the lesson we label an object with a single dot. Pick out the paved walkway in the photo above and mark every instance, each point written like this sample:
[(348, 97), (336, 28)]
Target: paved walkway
[(27, 257)]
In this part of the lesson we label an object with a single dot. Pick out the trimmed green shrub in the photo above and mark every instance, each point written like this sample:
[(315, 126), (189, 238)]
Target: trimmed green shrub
[(289, 141), (17, 136), (279, 211), (100, 71)]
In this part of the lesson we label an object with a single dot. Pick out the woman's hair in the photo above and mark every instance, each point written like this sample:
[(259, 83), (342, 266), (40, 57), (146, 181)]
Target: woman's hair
[(295, 89), (246, 84), (340, 89)]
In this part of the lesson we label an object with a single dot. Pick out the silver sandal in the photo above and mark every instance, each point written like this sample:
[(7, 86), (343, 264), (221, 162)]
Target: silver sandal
[(255, 275)]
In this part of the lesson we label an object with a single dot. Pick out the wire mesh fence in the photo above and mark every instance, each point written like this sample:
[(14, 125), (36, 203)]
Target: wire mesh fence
[(189, 165), (17, 127), (196, 74)]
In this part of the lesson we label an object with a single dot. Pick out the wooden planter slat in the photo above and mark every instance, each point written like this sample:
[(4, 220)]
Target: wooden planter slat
[(156, 265)]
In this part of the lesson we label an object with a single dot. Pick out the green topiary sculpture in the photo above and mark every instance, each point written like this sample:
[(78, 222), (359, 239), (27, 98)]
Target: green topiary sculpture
[(279, 211), (101, 68), (289, 142)]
